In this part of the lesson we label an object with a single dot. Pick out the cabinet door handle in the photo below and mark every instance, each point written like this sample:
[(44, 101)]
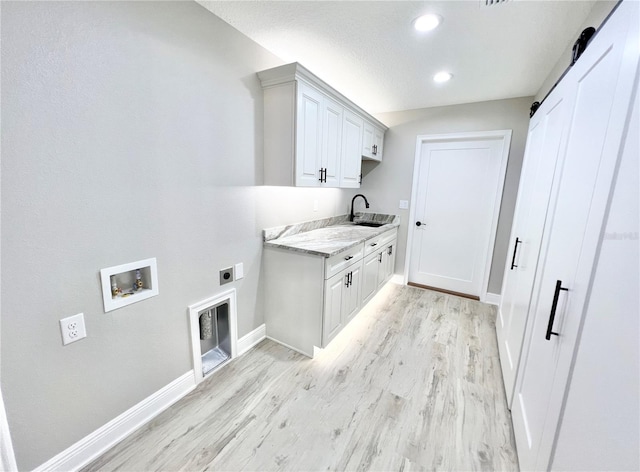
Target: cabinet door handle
[(380, 257), (320, 179), (360, 181), (348, 258), (390, 250), (350, 278), (374, 151), (554, 305), (515, 249), (346, 280)]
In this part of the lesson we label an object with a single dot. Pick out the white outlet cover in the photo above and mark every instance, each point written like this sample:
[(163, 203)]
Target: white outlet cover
[(239, 270), (72, 329), (404, 204)]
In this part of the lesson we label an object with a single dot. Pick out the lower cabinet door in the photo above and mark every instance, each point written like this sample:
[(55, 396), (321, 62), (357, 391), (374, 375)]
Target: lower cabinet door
[(369, 277), (386, 262), (333, 294), (351, 297)]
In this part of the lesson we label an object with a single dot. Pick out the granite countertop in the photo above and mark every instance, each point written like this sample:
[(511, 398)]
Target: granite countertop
[(328, 236)]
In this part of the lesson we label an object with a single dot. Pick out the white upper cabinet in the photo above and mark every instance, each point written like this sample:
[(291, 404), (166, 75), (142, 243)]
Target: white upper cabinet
[(367, 140), (313, 135), (351, 147), (378, 142), (332, 119), (372, 142), (308, 136)]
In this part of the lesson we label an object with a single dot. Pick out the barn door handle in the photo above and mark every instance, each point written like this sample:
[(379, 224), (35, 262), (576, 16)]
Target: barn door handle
[(554, 305), (515, 249)]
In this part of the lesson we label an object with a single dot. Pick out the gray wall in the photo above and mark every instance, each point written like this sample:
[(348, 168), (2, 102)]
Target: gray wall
[(129, 130), (386, 183)]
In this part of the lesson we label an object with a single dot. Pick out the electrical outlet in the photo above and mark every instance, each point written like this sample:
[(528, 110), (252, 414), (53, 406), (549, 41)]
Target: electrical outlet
[(226, 275), (72, 329)]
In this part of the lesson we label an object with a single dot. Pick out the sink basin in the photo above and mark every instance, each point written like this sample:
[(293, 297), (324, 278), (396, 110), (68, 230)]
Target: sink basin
[(370, 224)]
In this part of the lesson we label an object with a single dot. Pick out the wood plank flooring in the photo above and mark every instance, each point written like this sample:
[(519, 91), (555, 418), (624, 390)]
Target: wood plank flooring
[(413, 383)]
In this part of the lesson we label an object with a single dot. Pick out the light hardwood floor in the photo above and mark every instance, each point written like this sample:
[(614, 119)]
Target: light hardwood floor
[(413, 383)]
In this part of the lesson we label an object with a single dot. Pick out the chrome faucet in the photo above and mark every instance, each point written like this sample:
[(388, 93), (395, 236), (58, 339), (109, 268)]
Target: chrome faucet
[(351, 216)]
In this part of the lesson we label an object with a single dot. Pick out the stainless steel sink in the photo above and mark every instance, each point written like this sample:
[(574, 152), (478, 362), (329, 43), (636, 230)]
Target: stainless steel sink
[(370, 224)]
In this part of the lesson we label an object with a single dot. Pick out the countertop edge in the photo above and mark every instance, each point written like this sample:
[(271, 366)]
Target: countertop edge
[(381, 230)]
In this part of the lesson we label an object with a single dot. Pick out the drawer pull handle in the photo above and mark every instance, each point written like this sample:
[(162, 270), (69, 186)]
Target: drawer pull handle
[(374, 244), (348, 258)]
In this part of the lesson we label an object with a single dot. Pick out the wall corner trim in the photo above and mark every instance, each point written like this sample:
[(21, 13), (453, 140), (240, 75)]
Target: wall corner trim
[(492, 299), (251, 339)]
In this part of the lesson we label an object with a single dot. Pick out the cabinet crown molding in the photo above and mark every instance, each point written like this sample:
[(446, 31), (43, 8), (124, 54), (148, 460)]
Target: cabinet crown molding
[(296, 71)]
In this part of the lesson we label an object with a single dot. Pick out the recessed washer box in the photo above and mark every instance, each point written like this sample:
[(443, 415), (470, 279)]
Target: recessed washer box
[(129, 283)]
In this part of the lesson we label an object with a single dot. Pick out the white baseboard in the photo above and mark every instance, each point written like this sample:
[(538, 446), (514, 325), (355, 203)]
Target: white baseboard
[(492, 299), (105, 437), (310, 355), (249, 340), (102, 439)]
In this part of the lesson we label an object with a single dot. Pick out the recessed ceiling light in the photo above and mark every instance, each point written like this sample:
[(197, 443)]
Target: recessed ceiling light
[(427, 22), (442, 77)]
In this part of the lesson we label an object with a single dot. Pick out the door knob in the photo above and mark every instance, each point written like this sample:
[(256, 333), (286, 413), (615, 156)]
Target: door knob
[(418, 223)]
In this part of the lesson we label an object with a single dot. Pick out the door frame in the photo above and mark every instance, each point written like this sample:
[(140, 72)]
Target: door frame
[(505, 135)]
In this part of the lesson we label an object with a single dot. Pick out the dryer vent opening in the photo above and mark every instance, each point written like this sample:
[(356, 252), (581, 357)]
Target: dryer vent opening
[(215, 337), (213, 333)]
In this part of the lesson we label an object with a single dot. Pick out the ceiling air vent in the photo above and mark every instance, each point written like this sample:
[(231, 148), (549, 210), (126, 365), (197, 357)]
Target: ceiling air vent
[(490, 3)]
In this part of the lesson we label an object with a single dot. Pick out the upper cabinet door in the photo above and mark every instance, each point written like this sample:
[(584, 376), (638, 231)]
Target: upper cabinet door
[(351, 150), (332, 117), (378, 141), (372, 140), (367, 140), (308, 136)]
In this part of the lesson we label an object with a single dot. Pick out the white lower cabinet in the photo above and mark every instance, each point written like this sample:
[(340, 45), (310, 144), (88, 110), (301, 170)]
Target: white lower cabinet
[(310, 298), (341, 300), (377, 269)]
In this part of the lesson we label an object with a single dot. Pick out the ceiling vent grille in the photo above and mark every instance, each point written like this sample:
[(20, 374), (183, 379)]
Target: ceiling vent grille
[(490, 3)]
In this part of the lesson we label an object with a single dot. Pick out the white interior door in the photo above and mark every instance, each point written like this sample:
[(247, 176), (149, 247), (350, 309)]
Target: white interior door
[(457, 191)]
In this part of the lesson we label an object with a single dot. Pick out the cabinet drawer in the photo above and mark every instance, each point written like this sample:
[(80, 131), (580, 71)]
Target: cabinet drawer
[(335, 264), (371, 245)]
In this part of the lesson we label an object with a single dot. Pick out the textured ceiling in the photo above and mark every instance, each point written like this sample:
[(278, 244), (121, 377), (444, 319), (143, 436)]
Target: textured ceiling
[(369, 51)]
